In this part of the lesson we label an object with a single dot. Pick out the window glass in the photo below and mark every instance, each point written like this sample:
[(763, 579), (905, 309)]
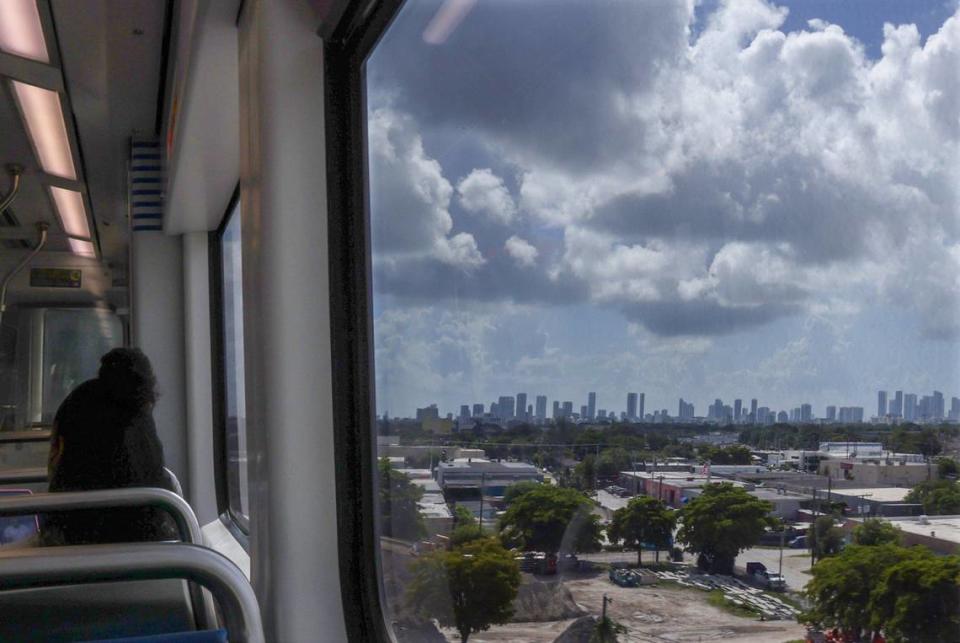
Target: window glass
[(632, 261), (74, 340), (235, 406)]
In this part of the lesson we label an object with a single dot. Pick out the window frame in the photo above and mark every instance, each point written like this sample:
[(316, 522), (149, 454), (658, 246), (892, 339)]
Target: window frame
[(236, 524), (346, 49)]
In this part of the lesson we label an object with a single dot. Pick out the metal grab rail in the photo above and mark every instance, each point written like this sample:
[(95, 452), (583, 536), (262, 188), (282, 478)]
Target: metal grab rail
[(27, 435), (23, 476), (187, 524), (30, 568)]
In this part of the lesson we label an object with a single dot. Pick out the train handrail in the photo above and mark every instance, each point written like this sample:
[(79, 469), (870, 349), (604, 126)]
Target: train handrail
[(74, 564), (188, 526), (27, 435), (23, 475)]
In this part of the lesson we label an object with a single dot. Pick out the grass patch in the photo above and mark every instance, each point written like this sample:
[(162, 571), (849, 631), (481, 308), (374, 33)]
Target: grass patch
[(717, 599)]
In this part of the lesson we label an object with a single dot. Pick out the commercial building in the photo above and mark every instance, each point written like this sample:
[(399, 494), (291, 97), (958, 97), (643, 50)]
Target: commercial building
[(541, 407), (591, 405), (939, 533), (631, 406), (437, 517), (466, 474), (521, 406)]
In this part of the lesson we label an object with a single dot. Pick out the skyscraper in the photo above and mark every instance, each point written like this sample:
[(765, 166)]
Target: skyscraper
[(478, 410), (954, 408), (938, 406), (541, 407), (896, 405), (685, 410), (583, 411), (640, 406), (505, 404), (631, 405), (753, 411), (556, 409), (591, 405), (910, 407), (522, 406), (806, 413), (464, 411), (567, 409), (782, 417), (737, 409), (831, 414), (881, 404)]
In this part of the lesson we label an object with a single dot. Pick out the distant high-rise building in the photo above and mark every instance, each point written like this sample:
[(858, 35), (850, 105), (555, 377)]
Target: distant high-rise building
[(583, 411), (753, 411), (556, 409), (506, 406), (640, 404), (685, 410), (568, 409), (591, 405), (495, 410), (782, 417), (909, 407), (831, 414), (541, 407), (851, 414), (428, 413), (464, 411), (954, 409), (631, 405), (896, 405), (478, 410), (715, 412), (881, 404), (925, 408), (522, 406), (602, 414), (806, 413), (938, 406), (737, 409), (762, 414)]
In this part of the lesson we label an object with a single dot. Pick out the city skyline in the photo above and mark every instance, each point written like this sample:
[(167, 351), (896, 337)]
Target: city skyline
[(710, 199)]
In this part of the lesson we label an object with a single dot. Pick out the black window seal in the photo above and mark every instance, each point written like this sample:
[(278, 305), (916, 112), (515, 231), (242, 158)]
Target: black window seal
[(237, 523), (351, 324)]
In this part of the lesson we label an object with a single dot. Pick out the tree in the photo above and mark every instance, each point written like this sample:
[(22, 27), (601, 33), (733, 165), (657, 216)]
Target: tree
[(551, 519), (938, 497), (399, 513), (721, 522), (643, 520), (874, 531), (909, 593), (918, 599), (841, 585), (947, 467), (469, 588), (736, 454), (514, 491), (824, 538), (463, 517)]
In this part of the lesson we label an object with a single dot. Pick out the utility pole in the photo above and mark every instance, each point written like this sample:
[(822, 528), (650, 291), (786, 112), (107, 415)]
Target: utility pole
[(483, 475), (783, 533), (603, 620), (813, 528), (596, 472)]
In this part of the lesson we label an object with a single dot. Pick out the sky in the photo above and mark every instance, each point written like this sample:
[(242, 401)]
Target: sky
[(718, 199)]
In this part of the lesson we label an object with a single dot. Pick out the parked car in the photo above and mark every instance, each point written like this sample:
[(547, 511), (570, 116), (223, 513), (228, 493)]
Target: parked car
[(800, 542)]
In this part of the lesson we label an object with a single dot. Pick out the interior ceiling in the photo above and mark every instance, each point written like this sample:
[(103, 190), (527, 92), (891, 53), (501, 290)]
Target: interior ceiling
[(110, 52)]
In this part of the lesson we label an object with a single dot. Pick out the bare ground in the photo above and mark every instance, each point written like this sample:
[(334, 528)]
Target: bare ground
[(654, 614)]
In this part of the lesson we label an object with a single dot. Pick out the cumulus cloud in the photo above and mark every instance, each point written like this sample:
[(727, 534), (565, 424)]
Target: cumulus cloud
[(484, 192), (523, 252), (699, 184)]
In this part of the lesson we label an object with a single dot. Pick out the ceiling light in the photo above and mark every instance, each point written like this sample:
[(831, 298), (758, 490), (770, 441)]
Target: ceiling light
[(83, 248), (21, 33), (44, 117), (72, 213)]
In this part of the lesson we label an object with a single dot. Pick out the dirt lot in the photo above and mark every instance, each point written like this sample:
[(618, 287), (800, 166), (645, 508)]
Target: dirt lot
[(651, 615)]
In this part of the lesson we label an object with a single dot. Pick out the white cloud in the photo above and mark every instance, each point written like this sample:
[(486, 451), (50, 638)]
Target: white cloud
[(522, 251), (483, 192)]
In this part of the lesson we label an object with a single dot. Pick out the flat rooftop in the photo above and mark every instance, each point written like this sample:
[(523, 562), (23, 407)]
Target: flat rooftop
[(876, 494), (944, 527)]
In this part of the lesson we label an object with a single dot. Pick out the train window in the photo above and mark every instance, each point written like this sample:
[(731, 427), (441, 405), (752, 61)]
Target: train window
[(622, 252), (234, 406)]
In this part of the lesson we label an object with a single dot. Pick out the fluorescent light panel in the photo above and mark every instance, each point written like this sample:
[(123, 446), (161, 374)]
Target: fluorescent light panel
[(83, 248), (21, 33), (72, 213), (48, 130)]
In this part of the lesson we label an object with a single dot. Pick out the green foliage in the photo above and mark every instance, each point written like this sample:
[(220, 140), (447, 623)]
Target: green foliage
[(464, 534), (736, 454), (718, 599), (585, 473), (607, 630), (924, 441), (514, 491), (463, 517), (824, 538), (399, 513), (549, 519), (643, 520), (720, 523), (469, 588), (874, 531), (909, 593), (947, 467), (938, 497)]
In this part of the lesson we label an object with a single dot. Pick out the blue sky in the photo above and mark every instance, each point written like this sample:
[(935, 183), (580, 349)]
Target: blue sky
[(739, 199)]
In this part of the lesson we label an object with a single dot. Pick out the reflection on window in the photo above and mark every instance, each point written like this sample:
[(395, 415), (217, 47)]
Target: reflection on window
[(235, 406), (637, 263)]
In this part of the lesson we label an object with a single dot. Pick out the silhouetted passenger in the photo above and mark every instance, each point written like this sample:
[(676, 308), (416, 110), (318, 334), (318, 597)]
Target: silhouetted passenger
[(104, 437)]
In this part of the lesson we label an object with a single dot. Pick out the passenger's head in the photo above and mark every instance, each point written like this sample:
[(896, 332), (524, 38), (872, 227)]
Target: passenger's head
[(104, 437)]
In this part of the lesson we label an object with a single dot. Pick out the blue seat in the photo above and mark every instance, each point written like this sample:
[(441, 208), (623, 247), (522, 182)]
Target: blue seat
[(205, 636)]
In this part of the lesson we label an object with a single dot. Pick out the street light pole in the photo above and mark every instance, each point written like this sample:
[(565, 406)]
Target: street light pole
[(483, 476)]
